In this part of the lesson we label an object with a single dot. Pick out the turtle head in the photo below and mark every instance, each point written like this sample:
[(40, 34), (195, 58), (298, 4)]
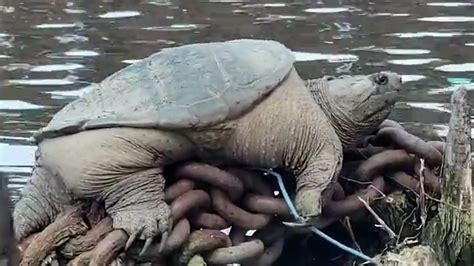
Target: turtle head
[(367, 99), (356, 105)]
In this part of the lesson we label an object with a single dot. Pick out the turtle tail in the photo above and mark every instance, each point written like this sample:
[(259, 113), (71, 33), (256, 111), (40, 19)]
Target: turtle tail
[(43, 198)]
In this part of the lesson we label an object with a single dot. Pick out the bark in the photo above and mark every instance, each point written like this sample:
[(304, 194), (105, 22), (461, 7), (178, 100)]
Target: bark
[(451, 232), (418, 255), (68, 224), (87, 242)]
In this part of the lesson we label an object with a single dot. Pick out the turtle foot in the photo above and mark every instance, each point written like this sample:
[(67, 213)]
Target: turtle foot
[(144, 222), (308, 203)]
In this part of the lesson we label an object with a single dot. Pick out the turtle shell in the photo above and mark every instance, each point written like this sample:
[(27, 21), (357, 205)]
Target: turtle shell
[(190, 86)]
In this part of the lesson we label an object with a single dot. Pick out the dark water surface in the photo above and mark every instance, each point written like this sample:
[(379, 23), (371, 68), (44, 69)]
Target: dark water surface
[(51, 50)]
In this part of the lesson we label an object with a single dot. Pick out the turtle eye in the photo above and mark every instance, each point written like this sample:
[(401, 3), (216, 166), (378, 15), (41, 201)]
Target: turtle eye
[(381, 79)]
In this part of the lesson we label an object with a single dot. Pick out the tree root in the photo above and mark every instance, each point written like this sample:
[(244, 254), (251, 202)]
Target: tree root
[(105, 252), (88, 241), (205, 199), (67, 225)]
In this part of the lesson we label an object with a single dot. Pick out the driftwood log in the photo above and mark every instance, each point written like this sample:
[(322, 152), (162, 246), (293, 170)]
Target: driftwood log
[(451, 232)]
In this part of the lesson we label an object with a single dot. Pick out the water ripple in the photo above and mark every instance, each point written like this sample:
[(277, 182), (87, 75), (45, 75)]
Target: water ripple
[(74, 11), (427, 34), (430, 106), (410, 78), (120, 14), (332, 58), (13, 138), (18, 105), (465, 67), (449, 4), (43, 82), (81, 53), (326, 10), (393, 51), (57, 25), (7, 9), (68, 38), (159, 2), (413, 61), (131, 61), (390, 15), (70, 93), (469, 86), (56, 67), (405, 51), (177, 27), (264, 5), (271, 18), (447, 19)]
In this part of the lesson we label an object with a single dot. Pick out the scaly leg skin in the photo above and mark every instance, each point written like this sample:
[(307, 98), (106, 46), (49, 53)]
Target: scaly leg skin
[(121, 167), (43, 198), (136, 205), (316, 182)]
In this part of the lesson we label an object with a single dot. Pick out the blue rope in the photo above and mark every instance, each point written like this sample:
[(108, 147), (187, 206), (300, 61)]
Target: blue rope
[(313, 228)]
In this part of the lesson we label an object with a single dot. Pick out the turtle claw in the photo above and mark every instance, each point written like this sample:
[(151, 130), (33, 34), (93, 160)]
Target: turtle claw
[(131, 239), (143, 223), (146, 246), (164, 239)]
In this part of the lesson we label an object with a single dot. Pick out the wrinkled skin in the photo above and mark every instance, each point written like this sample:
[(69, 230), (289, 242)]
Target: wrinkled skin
[(357, 103), (299, 128)]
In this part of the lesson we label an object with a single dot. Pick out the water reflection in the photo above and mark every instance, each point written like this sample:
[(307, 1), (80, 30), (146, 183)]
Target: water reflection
[(50, 51)]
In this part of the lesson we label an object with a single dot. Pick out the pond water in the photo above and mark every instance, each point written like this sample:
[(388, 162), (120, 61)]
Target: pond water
[(50, 51)]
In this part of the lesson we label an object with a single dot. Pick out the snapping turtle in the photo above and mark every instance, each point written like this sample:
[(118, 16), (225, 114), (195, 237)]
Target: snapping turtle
[(239, 102)]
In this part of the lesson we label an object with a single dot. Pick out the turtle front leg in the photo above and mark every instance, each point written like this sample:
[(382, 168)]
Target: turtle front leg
[(313, 184), (136, 205)]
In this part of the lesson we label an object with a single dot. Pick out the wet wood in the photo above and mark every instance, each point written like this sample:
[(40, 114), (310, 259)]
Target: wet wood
[(451, 232), (87, 242), (418, 255), (68, 224)]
